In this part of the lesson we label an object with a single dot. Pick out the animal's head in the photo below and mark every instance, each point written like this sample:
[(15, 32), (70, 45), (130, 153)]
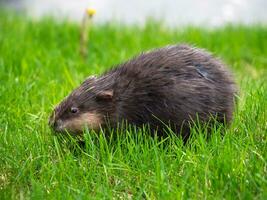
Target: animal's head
[(89, 105)]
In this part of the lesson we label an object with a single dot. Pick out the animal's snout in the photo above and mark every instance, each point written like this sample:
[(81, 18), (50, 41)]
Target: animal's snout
[(51, 121), (55, 124)]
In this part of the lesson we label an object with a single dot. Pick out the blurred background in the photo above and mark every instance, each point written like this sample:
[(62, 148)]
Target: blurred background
[(171, 12)]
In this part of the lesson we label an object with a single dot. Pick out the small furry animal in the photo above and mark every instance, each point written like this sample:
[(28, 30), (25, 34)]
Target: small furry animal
[(167, 86)]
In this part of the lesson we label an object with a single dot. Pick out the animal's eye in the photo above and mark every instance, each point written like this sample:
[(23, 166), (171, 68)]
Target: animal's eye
[(74, 110)]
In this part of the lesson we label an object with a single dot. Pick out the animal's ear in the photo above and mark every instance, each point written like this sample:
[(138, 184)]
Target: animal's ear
[(106, 95)]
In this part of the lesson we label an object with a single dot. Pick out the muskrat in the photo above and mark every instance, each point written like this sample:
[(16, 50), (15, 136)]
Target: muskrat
[(167, 86)]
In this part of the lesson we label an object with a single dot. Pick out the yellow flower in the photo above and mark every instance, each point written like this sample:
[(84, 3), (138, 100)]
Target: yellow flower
[(90, 12)]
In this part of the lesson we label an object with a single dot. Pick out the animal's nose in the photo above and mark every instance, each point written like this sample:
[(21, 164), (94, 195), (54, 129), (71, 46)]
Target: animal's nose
[(56, 125), (51, 121)]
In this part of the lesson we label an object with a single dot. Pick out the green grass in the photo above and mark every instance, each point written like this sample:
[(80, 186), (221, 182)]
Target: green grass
[(40, 64)]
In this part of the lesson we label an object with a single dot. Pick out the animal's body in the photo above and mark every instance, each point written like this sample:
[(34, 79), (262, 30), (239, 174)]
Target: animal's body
[(167, 86)]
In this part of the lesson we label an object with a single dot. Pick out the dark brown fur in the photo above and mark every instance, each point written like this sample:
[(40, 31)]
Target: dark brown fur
[(170, 85)]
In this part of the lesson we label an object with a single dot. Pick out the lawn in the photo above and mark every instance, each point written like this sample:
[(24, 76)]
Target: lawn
[(40, 64)]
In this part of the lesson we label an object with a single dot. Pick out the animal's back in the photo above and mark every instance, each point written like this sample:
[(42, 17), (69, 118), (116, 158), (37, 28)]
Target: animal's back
[(172, 86)]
